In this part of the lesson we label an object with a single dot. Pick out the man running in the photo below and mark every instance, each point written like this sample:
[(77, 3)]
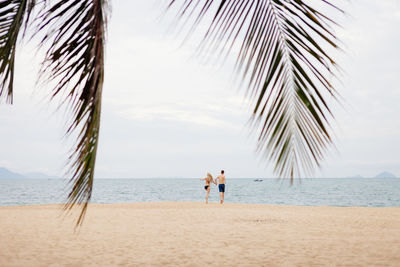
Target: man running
[(221, 180)]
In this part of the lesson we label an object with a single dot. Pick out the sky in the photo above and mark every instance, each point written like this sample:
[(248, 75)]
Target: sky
[(166, 113)]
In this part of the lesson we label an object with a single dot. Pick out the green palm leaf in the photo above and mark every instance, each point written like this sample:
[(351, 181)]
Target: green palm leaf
[(283, 61), (13, 14), (75, 59), (74, 39)]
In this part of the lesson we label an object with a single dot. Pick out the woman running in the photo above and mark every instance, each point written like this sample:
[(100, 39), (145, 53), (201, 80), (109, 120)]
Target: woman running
[(209, 179)]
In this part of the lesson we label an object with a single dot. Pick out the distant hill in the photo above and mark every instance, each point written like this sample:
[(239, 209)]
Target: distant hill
[(7, 174), (385, 175)]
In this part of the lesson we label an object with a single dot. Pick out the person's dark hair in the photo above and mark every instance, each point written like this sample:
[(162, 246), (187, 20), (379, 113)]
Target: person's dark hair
[(222, 171)]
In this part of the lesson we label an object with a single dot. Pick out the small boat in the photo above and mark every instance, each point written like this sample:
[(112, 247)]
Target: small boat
[(257, 180)]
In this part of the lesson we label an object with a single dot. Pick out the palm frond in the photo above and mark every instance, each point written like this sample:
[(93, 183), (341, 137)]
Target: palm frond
[(13, 14), (75, 60), (284, 60)]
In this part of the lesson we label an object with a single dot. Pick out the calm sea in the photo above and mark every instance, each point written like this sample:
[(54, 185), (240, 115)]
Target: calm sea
[(310, 192)]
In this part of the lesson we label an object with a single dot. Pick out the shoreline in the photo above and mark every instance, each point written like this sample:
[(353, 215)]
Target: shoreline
[(195, 202), (195, 234)]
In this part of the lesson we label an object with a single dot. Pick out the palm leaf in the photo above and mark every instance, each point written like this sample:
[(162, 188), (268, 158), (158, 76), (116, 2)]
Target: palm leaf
[(13, 14), (75, 60), (284, 60)]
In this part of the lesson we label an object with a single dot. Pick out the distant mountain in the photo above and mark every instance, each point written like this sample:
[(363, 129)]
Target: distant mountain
[(385, 175), (5, 173)]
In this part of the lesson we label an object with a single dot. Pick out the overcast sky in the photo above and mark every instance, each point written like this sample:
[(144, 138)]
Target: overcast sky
[(166, 114)]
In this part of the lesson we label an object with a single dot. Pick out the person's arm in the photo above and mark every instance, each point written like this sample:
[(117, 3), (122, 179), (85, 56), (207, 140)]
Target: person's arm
[(203, 179)]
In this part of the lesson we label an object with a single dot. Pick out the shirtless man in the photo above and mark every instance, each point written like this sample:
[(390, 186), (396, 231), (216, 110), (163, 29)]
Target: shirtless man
[(221, 180)]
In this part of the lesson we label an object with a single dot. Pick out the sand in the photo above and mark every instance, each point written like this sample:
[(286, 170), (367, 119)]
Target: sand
[(196, 234)]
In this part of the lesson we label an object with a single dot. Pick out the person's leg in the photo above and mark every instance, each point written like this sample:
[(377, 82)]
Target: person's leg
[(220, 193), (208, 192)]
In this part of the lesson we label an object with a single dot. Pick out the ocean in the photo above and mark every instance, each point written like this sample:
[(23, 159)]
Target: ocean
[(309, 192)]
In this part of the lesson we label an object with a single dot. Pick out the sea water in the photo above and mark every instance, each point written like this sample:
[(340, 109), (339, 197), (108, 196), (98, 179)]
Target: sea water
[(309, 192)]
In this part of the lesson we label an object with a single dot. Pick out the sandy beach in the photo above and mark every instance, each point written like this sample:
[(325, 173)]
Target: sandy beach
[(195, 234)]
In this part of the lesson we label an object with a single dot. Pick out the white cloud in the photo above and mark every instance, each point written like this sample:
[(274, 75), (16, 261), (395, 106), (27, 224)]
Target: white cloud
[(166, 114)]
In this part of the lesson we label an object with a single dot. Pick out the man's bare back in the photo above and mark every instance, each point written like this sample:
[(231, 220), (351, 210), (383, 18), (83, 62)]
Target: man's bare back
[(221, 179)]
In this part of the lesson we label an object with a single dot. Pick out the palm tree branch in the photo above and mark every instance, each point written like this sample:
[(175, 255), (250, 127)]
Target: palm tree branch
[(75, 60), (284, 58), (14, 15)]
